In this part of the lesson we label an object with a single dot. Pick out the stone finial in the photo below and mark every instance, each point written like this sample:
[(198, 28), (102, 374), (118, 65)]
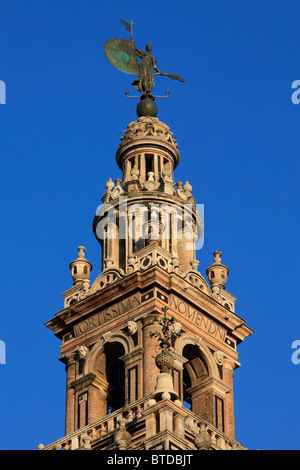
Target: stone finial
[(122, 438), (194, 263), (109, 188), (151, 184), (166, 173), (217, 273), (180, 192), (202, 440), (81, 268), (134, 173), (118, 191), (187, 188), (217, 257), (109, 185)]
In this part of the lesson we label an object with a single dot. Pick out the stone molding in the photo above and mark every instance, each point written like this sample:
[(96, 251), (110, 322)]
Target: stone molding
[(147, 130)]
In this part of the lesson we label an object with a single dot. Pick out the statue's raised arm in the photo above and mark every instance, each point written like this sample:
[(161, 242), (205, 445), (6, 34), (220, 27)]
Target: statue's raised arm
[(123, 54), (145, 81)]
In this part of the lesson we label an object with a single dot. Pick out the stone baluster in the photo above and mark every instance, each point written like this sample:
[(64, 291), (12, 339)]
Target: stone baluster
[(86, 439), (122, 438)]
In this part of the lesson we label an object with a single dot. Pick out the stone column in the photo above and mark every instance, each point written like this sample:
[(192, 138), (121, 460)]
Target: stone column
[(70, 394), (202, 396), (228, 368), (97, 395), (133, 363), (179, 362), (155, 167)]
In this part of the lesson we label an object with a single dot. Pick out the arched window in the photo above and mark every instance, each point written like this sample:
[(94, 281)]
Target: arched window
[(149, 164), (103, 391), (187, 400), (194, 373), (115, 376)]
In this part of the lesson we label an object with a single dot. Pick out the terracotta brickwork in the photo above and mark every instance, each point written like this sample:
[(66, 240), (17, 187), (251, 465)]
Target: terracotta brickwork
[(115, 391)]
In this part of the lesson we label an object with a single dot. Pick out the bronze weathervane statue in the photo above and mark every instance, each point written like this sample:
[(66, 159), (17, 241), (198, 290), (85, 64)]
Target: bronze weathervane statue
[(123, 54)]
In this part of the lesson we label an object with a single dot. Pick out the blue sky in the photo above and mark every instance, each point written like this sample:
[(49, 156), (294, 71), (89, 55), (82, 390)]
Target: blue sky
[(238, 136)]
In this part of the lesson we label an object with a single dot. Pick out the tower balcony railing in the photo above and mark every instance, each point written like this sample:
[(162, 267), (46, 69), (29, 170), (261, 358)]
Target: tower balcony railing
[(141, 419)]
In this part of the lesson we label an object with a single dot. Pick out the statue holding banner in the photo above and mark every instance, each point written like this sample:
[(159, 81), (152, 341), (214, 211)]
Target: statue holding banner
[(123, 54)]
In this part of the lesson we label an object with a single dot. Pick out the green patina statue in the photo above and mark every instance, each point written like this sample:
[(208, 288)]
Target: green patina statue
[(123, 54)]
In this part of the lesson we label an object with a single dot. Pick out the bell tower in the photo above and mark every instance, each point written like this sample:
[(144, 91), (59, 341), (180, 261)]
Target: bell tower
[(150, 346)]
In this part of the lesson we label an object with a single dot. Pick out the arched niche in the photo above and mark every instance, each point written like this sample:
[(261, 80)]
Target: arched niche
[(195, 371), (91, 362), (105, 364), (201, 349), (199, 376), (115, 375)]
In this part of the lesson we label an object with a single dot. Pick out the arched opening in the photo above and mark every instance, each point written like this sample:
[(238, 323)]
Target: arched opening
[(187, 400), (115, 376), (149, 164), (194, 373)]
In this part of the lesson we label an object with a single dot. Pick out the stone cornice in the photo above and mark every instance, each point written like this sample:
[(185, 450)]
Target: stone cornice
[(209, 384), (170, 283), (145, 132), (87, 380)]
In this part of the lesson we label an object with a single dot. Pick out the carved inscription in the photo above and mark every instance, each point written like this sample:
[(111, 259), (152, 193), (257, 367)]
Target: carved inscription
[(104, 316), (205, 323)]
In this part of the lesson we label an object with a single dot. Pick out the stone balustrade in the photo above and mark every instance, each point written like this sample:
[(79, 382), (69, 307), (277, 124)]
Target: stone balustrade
[(146, 420)]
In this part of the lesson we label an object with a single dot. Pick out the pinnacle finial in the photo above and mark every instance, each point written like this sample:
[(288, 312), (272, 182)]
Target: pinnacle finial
[(217, 255), (217, 273), (81, 250), (80, 267)]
